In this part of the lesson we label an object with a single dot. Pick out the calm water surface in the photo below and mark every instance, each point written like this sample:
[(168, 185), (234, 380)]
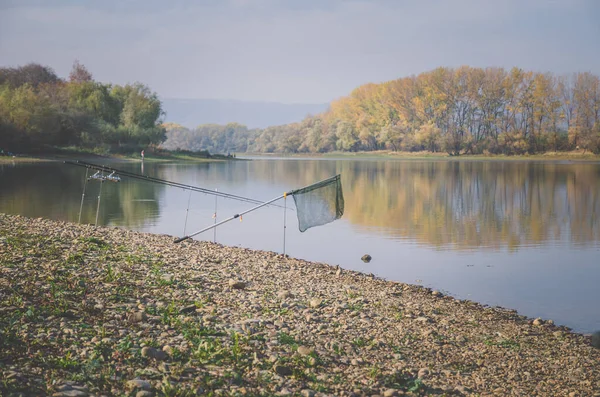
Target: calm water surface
[(524, 235)]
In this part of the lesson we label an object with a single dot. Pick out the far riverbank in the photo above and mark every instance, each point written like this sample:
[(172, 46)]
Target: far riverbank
[(386, 154), (162, 156)]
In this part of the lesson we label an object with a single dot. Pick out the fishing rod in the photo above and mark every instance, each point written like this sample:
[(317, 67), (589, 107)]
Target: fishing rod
[(164, 182), (283, 196)]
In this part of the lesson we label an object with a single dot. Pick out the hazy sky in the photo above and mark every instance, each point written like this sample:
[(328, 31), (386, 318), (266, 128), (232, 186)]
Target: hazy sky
[(294, 51)]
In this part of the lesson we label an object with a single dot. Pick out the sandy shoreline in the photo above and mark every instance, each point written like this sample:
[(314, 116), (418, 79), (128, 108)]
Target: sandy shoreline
[(106, 311)]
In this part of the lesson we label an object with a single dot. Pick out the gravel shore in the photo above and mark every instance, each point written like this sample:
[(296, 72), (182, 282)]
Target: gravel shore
[(104, 311)]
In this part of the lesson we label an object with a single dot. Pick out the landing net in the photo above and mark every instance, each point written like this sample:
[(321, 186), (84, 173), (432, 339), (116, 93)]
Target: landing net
[(320, 203)]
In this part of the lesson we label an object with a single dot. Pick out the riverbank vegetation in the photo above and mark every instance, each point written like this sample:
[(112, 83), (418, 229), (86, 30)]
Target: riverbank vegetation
[(40, 111), (455, 111)]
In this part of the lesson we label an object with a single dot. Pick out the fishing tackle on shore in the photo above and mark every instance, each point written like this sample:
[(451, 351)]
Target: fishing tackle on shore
[(316, 204), (99, 176)]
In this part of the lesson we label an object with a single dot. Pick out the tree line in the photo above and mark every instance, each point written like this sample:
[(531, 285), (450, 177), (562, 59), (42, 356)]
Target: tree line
[(459, 111), (40, 110)]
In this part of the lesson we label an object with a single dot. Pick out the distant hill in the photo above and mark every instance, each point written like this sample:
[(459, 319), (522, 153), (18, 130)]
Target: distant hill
[(193, 112)]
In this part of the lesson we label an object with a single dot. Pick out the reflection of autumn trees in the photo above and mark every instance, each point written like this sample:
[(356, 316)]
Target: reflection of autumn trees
[(478, 204), (582, 193), (445, 204), (462, 204)]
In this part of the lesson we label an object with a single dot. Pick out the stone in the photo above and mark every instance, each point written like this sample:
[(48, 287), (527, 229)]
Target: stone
[(282, 370), (436, 293), (284, 294), (151, 352), (307, 393), (366, 258), (138, 384), (305, 351), (315, 302), (137, 317), (423, 372), (147, 351), (236, 284), (538, 321), (390, 393), (160, 355), (188, 309), (596, 339), (144, 393)]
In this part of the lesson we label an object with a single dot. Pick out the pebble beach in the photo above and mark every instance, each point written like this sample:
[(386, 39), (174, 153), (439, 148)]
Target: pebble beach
[(104, 311)]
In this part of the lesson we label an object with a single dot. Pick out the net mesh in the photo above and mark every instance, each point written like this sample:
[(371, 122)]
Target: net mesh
[(320, 203)]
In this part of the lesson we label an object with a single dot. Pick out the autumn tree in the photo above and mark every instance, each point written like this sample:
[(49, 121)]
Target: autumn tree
[(79, 73)]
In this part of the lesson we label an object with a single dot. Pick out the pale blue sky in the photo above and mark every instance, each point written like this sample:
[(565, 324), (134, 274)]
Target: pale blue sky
[(301, 51)]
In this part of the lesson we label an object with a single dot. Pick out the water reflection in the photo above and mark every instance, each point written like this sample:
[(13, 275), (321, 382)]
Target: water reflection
[(459, 204), (54, 191), (444, 204), (479, 204)]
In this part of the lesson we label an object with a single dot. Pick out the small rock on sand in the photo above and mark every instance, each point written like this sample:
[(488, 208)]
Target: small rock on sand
[(139, 384), (151, 352), (284, 294), (137, 317), (315, 302), (304, 350), (236, 284), (282, 370)]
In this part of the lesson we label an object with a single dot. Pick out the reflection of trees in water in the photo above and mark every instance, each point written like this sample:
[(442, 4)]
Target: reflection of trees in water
[(288, 174), (458, 204), (54, 191), (478, 204)]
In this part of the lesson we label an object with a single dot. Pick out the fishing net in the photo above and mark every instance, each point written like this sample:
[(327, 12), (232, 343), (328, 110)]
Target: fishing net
[(320, 203)]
